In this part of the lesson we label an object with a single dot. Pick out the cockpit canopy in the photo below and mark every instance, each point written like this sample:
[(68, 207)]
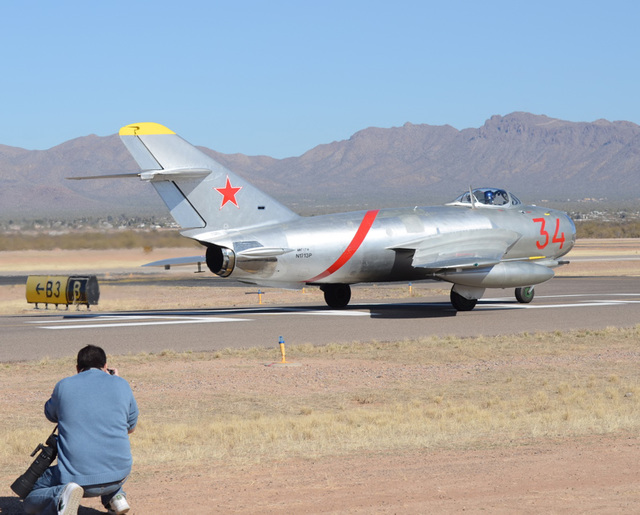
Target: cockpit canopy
[(487, 198)]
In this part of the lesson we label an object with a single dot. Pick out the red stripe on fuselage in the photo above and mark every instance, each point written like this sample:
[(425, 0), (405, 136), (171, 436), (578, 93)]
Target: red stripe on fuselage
[(351, 249)]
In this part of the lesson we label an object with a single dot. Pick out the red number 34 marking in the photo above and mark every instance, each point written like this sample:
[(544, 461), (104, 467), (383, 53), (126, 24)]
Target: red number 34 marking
[(557, 238)]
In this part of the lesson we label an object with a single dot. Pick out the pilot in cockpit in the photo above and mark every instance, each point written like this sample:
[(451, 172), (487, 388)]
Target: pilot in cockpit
[(488, 197), (495, 198)]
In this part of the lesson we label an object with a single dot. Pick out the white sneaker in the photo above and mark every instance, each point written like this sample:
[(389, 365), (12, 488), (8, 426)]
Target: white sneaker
[(69, 501), (118, 505)]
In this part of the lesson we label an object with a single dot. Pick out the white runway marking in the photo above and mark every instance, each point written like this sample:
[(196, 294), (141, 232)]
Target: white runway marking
[(110, 320), (571, 295), (577, 304), (152, 320), (585, 304), (328, 312)]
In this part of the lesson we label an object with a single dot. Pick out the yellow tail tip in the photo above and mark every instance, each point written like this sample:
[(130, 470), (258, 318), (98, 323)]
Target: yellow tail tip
[(142, 129)]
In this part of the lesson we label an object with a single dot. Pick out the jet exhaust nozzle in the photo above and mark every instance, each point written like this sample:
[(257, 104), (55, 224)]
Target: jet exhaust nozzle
[(220, 260)]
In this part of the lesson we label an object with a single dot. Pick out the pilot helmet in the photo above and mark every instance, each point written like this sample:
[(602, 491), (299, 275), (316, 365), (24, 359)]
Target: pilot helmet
[(488, 196)]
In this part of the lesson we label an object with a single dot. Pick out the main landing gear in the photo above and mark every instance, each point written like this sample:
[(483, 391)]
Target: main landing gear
[(461, 303), (337, 296)]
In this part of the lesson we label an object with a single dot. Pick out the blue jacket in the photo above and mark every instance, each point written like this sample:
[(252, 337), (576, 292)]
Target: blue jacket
[(95, 412)]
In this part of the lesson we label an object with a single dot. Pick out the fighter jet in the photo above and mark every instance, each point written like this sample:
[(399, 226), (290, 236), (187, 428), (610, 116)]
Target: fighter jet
[(485, 238)]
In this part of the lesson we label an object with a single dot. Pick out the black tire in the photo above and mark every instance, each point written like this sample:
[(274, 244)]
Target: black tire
[(524, 295), (461, 303), (337, 296)]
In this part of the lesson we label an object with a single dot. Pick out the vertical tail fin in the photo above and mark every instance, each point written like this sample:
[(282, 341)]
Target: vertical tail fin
[(203, 196)]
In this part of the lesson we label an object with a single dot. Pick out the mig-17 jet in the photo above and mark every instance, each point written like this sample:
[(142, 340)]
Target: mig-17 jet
[(485, 238)]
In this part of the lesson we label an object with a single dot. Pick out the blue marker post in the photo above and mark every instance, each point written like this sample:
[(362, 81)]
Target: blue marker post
[(281, 342), (259, 293)]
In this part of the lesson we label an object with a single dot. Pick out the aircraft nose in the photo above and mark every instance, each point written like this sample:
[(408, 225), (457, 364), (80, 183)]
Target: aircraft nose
[(570, 231)]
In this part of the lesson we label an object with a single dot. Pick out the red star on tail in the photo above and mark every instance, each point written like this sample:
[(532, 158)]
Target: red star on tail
[(228, 193)]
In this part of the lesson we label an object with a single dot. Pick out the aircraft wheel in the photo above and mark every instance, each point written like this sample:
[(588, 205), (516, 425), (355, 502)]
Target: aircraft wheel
[(337, 296), (524, 295), (462, 303)]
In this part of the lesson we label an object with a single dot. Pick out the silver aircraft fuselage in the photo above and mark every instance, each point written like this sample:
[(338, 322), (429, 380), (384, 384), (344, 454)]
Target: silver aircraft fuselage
[(369, 246)]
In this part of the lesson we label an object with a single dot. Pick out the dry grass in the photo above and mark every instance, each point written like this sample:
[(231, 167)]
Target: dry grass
[(95, 239), (199, 408)]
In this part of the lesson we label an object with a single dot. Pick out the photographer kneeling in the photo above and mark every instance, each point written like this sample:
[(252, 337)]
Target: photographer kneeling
[(95, 411)]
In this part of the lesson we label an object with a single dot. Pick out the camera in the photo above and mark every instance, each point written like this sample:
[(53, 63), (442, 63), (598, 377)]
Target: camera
[(48, 452)]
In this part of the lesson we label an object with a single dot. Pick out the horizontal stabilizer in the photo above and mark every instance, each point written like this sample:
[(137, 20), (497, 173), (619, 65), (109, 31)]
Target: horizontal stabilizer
[(177, 173), (111, 176), (153, 175), (181, 261)]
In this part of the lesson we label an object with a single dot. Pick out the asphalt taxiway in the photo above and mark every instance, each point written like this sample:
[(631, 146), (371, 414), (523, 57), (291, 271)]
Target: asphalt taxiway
[(561, 304)]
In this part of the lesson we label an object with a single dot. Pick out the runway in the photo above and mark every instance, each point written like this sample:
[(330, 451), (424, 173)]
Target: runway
[(561, 304)]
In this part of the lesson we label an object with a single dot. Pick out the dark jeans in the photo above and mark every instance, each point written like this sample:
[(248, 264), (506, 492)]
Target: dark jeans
[(44, 497)]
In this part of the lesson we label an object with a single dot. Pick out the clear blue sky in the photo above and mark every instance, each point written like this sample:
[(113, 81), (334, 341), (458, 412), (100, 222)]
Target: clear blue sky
[(280, 77)]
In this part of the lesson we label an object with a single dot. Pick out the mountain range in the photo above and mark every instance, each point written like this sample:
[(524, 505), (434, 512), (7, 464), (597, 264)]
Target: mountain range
[(536, 157)]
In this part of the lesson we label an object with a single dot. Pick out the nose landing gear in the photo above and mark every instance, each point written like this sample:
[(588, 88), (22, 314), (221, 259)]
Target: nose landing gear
[(524, 295)]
